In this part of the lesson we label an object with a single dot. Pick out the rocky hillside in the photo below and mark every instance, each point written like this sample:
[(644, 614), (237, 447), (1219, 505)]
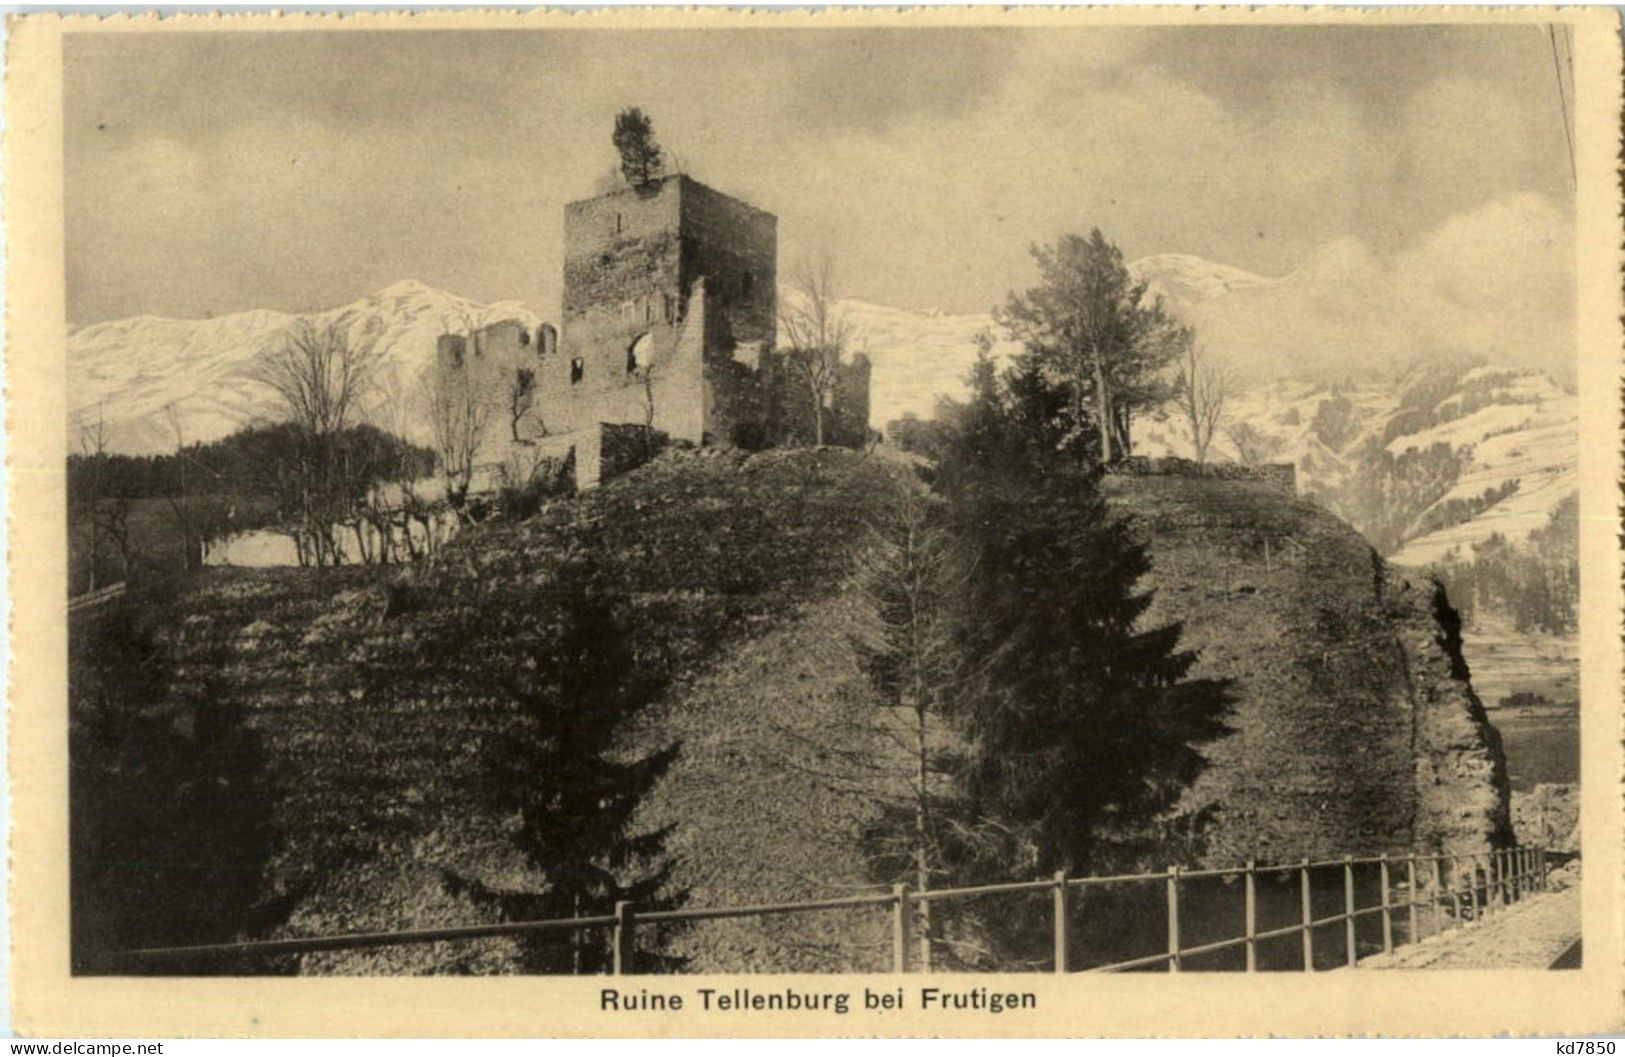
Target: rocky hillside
[(1354, 728), (1355, 725), (372, 744)]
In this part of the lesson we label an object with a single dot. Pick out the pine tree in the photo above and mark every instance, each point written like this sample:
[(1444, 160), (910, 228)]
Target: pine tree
[(1086, 729), (171, 832), (1095, 330), (634, 138), (559, 763), (1090, 731)]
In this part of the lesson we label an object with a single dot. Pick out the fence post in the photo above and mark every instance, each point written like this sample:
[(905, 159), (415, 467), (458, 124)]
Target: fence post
[(1455, 889), (1308, 908), (899, 928), (1410, 891), (1250, 888), (1387, 907), (1063, 927), (1474, 862), (1438, 893), (1348, 909), (1517, 860), (1173, 919), (621, 957)]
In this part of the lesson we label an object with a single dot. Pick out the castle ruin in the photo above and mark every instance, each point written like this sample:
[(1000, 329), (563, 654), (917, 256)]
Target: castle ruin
[(669, 316)]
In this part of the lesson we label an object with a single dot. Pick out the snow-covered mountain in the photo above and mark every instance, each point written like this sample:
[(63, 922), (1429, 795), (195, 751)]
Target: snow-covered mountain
[(1185, 281), (1514, 429), (131, 372), (921, 355), (143, 376)]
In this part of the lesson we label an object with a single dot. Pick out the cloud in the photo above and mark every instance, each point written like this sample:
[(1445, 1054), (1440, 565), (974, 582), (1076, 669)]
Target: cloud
[(211, 172), (1496, 280)]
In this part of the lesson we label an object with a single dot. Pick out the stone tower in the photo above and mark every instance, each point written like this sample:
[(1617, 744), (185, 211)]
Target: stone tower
[(669, 298)]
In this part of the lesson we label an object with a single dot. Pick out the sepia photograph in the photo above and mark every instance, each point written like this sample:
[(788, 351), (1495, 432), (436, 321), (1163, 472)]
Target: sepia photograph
[(588, 500)]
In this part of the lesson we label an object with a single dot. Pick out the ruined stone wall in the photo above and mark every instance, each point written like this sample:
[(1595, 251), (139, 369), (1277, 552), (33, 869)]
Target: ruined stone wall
[(1280, 475), (494, 356), (734, 247), (850, 414), (775, 405), (621, 283), (1463, 795), (659, 285), (670, 298)]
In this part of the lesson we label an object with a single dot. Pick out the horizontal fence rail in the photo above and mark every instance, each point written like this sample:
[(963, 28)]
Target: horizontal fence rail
[(1437, 889), (92, 599)]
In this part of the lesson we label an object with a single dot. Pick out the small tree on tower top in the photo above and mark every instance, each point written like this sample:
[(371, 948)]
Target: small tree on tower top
[(641, 161)]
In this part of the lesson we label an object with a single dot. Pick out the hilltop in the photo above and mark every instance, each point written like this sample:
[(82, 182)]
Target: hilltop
[(1352, 727)]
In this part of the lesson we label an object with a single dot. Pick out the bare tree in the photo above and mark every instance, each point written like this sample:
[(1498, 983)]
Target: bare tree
[(93, 448), (1204, 389), (321, 378), (180, 502), (1252, 447), (816, 333), (521, 398)]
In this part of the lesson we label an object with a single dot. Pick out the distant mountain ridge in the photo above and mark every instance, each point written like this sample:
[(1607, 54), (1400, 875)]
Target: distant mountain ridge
[(1515, 430), (132, 372), (144, 375)]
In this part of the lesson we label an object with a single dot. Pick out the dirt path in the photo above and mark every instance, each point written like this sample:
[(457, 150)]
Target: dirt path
[(1528, 935)]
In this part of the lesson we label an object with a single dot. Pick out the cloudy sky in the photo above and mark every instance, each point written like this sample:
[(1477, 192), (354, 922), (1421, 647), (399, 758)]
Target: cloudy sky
[(1420, 174)]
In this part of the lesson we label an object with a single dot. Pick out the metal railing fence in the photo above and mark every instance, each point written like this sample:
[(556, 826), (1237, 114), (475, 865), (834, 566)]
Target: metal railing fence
[(1443, 890)]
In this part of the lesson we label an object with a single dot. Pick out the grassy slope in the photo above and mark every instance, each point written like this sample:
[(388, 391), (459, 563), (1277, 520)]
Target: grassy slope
[(1350, 733), (730, 572), (381, 826)]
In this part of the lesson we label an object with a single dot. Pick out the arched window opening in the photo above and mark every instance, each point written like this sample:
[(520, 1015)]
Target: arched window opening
[(637, 353)]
